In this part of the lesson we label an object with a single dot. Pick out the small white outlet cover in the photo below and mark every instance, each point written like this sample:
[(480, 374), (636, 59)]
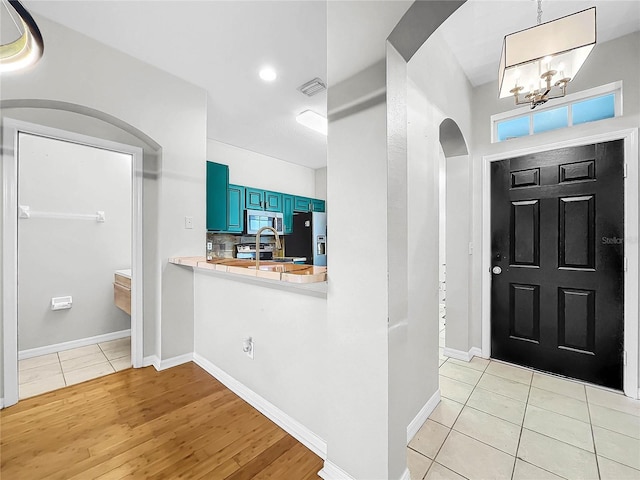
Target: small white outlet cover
[(188, 222), (247, 347)]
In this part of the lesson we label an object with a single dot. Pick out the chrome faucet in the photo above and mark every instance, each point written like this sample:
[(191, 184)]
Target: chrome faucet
[(278, 244)]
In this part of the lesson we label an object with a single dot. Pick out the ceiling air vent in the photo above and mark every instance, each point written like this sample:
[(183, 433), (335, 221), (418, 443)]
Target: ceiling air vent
[(312, 87)]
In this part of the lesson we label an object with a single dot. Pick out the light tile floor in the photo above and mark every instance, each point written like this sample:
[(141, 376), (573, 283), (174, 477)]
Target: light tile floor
[(56, 370), (497, 420)]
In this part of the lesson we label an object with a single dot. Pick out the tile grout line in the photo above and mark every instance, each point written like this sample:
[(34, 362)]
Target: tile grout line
[(558, 413), (443, 466), (593, 436), (526, 404), (543, 469), (64, 377)]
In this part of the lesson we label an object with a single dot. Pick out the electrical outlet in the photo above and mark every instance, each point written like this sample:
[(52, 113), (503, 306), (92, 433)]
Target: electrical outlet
[(247, 347), (188, 222)]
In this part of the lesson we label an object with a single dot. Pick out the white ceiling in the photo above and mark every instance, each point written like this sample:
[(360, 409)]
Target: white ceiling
[(221, 45), (476, 30)]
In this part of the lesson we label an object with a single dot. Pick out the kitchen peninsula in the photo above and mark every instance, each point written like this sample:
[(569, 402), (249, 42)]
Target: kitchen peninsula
[(311, 278)]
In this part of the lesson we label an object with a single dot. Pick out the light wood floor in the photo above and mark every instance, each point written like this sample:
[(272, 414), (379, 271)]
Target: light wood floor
[(139, 424)]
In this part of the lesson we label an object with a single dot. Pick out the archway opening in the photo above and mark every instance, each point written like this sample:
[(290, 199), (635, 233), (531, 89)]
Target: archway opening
[(454, 241)]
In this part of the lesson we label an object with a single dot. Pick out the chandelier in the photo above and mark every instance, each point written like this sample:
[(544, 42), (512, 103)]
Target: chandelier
[(27, 49), (537, 63)]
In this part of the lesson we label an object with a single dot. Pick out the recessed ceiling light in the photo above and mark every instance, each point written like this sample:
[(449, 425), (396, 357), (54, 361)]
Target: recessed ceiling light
[(268, 74), (313, 120)]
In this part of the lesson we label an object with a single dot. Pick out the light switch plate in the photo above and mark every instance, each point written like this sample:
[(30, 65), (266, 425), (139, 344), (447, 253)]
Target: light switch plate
[(188, 222)]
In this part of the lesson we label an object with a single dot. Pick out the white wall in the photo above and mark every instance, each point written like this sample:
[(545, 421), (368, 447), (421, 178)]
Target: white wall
[(609, 62), (59, 257), (429, 104), (289, 331), (357, 303), (442, 219), (253, 169), (457, 259), (321, 183), (81, 75)]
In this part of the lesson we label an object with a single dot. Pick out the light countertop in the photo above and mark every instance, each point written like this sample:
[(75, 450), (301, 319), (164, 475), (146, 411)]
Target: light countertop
[(273, 273)]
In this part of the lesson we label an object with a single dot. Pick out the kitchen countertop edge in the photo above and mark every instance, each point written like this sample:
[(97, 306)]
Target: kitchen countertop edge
[(199, 264)]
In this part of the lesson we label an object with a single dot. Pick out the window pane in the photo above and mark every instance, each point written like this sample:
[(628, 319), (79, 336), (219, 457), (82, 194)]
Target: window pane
[(550, 119), (594, 109), (518, 127)]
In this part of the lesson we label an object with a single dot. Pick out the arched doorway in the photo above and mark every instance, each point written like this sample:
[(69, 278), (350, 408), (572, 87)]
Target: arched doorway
[(454, 238)]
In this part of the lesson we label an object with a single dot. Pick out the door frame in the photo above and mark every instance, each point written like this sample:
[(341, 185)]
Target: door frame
[(11, 129), (631, 274)]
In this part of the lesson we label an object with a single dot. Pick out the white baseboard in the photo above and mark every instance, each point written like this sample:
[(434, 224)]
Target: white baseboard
[(461, 354), (422, 415), (81, 342), (305, 436), (151, 360), (160, 365), (476, 352), (174, 361), (330, 471)]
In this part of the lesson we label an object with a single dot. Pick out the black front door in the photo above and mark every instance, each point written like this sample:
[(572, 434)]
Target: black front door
[(557, 229)]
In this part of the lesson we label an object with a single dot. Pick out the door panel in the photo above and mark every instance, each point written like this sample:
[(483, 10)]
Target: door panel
[(525, 312), (557, 227), (576, 319), (577, 232), (525, 231)]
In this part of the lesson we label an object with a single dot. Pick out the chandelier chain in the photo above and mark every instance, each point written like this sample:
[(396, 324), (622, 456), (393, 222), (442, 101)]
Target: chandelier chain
[(539, 12)]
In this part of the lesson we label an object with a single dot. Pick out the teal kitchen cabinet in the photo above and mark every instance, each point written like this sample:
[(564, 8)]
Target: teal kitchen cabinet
[(256, 199), (235, 211), (287, 210), (273, 201), (217, 200), (301, 204), (317, 205), (306, 204)]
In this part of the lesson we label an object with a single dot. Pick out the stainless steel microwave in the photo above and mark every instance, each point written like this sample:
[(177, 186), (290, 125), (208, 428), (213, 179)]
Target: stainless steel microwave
[(256, 219)]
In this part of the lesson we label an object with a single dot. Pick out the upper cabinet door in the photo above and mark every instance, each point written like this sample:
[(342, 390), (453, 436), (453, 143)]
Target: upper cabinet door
[(317, 205), (302, 204), (254, 199), (273, 201), (287, 210), (217, 183), (236, 209)]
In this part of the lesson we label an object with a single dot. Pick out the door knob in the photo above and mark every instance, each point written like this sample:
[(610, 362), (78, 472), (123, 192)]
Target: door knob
[(496, 270)]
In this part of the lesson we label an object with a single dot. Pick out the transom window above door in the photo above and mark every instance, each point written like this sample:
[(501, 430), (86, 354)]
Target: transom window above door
[(587, 106)]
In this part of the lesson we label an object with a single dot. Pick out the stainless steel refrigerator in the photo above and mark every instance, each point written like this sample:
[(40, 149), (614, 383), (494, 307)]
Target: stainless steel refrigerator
[(309, 238)]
